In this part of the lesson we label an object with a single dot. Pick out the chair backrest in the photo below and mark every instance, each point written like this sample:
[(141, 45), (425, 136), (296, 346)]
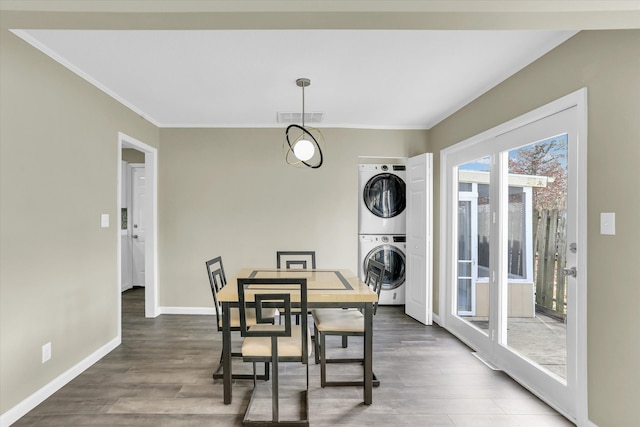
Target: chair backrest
[(296, 259), (277, 293), (375, 273), (217, 280)]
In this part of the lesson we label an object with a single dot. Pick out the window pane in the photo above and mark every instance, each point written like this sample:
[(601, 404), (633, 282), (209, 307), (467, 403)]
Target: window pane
[(484, 228), (517, 233), (465, 186), (537, 200), (473, 240)]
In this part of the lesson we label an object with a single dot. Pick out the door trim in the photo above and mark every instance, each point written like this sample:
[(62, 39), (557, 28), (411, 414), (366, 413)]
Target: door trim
[(151, 237), (577, 99)]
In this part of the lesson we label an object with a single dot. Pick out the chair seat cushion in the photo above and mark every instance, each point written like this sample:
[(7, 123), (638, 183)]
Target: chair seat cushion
[(251, 316), (287, 346), (338, 320)]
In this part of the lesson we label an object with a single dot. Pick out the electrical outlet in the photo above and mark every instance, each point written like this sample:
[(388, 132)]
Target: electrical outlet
[(46, 352)]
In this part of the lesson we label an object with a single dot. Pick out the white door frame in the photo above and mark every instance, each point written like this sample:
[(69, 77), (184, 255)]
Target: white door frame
[(449, 192), (151, 307)]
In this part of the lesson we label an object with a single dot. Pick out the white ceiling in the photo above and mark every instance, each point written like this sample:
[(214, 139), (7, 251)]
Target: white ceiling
[(379, 79)]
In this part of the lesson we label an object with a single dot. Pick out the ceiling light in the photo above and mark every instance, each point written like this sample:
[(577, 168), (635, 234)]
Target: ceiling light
[(301, 141)]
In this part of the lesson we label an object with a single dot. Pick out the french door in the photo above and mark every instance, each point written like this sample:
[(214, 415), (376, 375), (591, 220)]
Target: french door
[(513, 211)]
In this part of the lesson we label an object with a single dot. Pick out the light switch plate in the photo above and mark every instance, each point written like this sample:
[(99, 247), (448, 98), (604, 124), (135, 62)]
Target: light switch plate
[(46, 352), (608, 223), (104, 220)]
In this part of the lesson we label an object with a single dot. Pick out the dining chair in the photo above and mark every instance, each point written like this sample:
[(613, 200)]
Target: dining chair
[(275, 344), (344, 323), (296, 259), (304, 260), (217, 280)]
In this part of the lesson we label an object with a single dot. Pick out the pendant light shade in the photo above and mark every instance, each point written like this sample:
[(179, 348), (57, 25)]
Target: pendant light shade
[(304, 149), (302, 143)]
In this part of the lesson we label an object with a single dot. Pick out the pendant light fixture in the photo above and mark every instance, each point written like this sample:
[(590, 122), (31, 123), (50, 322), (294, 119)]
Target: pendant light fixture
[(304, 146)]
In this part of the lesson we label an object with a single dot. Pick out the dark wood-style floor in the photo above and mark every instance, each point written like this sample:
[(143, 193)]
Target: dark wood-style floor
[(161, 376)]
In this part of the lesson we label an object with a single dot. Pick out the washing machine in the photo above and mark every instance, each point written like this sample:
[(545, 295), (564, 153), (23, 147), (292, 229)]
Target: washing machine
[(389, 250), (382, 192)]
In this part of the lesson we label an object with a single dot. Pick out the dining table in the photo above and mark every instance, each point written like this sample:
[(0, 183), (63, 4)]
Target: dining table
[(326, 288)]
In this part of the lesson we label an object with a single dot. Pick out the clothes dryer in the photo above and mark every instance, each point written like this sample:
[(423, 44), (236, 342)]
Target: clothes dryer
[(382, 192), (389, 250)]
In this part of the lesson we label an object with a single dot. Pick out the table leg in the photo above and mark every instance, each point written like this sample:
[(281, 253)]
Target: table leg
[(368, 353), (226, 352)]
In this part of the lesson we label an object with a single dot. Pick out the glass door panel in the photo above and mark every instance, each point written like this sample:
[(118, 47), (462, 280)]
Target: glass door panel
[(536, 244), (473, 302), (465, 259)]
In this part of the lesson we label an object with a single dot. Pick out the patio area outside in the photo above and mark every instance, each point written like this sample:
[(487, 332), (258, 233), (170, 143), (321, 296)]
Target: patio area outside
[(541, 339)]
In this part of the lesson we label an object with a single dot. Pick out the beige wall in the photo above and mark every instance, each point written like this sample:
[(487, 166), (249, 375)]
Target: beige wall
[(58, 174), (608, 64), (229, 192)]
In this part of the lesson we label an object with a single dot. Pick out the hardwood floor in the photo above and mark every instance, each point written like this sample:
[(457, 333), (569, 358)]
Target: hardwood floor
[(161, 376)]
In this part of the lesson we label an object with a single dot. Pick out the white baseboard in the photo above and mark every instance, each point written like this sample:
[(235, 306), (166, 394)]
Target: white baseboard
[(22, 408), (187, 310)]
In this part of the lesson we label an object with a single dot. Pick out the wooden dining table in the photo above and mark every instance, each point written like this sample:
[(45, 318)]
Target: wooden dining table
[(325, 289)]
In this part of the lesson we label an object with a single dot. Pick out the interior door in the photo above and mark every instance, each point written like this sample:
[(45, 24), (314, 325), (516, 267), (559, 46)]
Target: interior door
[(137, 228), (418, 299)]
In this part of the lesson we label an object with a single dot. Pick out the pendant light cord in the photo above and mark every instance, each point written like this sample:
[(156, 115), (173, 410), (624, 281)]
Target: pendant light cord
[(303, 106)]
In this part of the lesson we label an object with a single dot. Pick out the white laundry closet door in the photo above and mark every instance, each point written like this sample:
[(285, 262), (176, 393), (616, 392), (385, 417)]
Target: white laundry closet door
[(419, 299)]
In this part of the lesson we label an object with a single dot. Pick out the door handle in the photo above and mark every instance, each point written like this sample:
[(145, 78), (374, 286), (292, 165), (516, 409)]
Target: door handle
[(570, 271), (135, 236)]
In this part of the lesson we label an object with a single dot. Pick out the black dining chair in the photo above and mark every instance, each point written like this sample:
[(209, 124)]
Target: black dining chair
[(217, 280), (275, 344), (296, 259), (303, 260), (344, 323)]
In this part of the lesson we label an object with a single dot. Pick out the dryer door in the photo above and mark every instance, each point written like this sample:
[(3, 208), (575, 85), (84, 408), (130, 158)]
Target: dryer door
[(384, 195), (394, 263)]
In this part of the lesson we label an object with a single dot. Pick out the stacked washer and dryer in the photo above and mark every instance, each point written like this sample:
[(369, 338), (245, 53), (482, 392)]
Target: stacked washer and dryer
[(382, 226)]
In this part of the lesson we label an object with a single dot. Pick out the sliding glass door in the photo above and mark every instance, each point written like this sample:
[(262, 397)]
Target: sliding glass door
[(511, 217), (536, 255)]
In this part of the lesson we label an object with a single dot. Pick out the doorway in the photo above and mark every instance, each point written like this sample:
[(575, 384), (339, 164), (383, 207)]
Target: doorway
[(145, 214), (513, 208), (133, 222)]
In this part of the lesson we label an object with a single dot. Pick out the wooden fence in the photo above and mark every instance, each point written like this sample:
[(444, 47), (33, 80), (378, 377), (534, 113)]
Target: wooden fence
[(550, 244)]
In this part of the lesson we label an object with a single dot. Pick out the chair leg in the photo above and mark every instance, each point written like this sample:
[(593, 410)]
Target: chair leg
[(218, 374), (320, 341), (316, 347), (275, 409), (254, 375), (345, 341), (323, 358)]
